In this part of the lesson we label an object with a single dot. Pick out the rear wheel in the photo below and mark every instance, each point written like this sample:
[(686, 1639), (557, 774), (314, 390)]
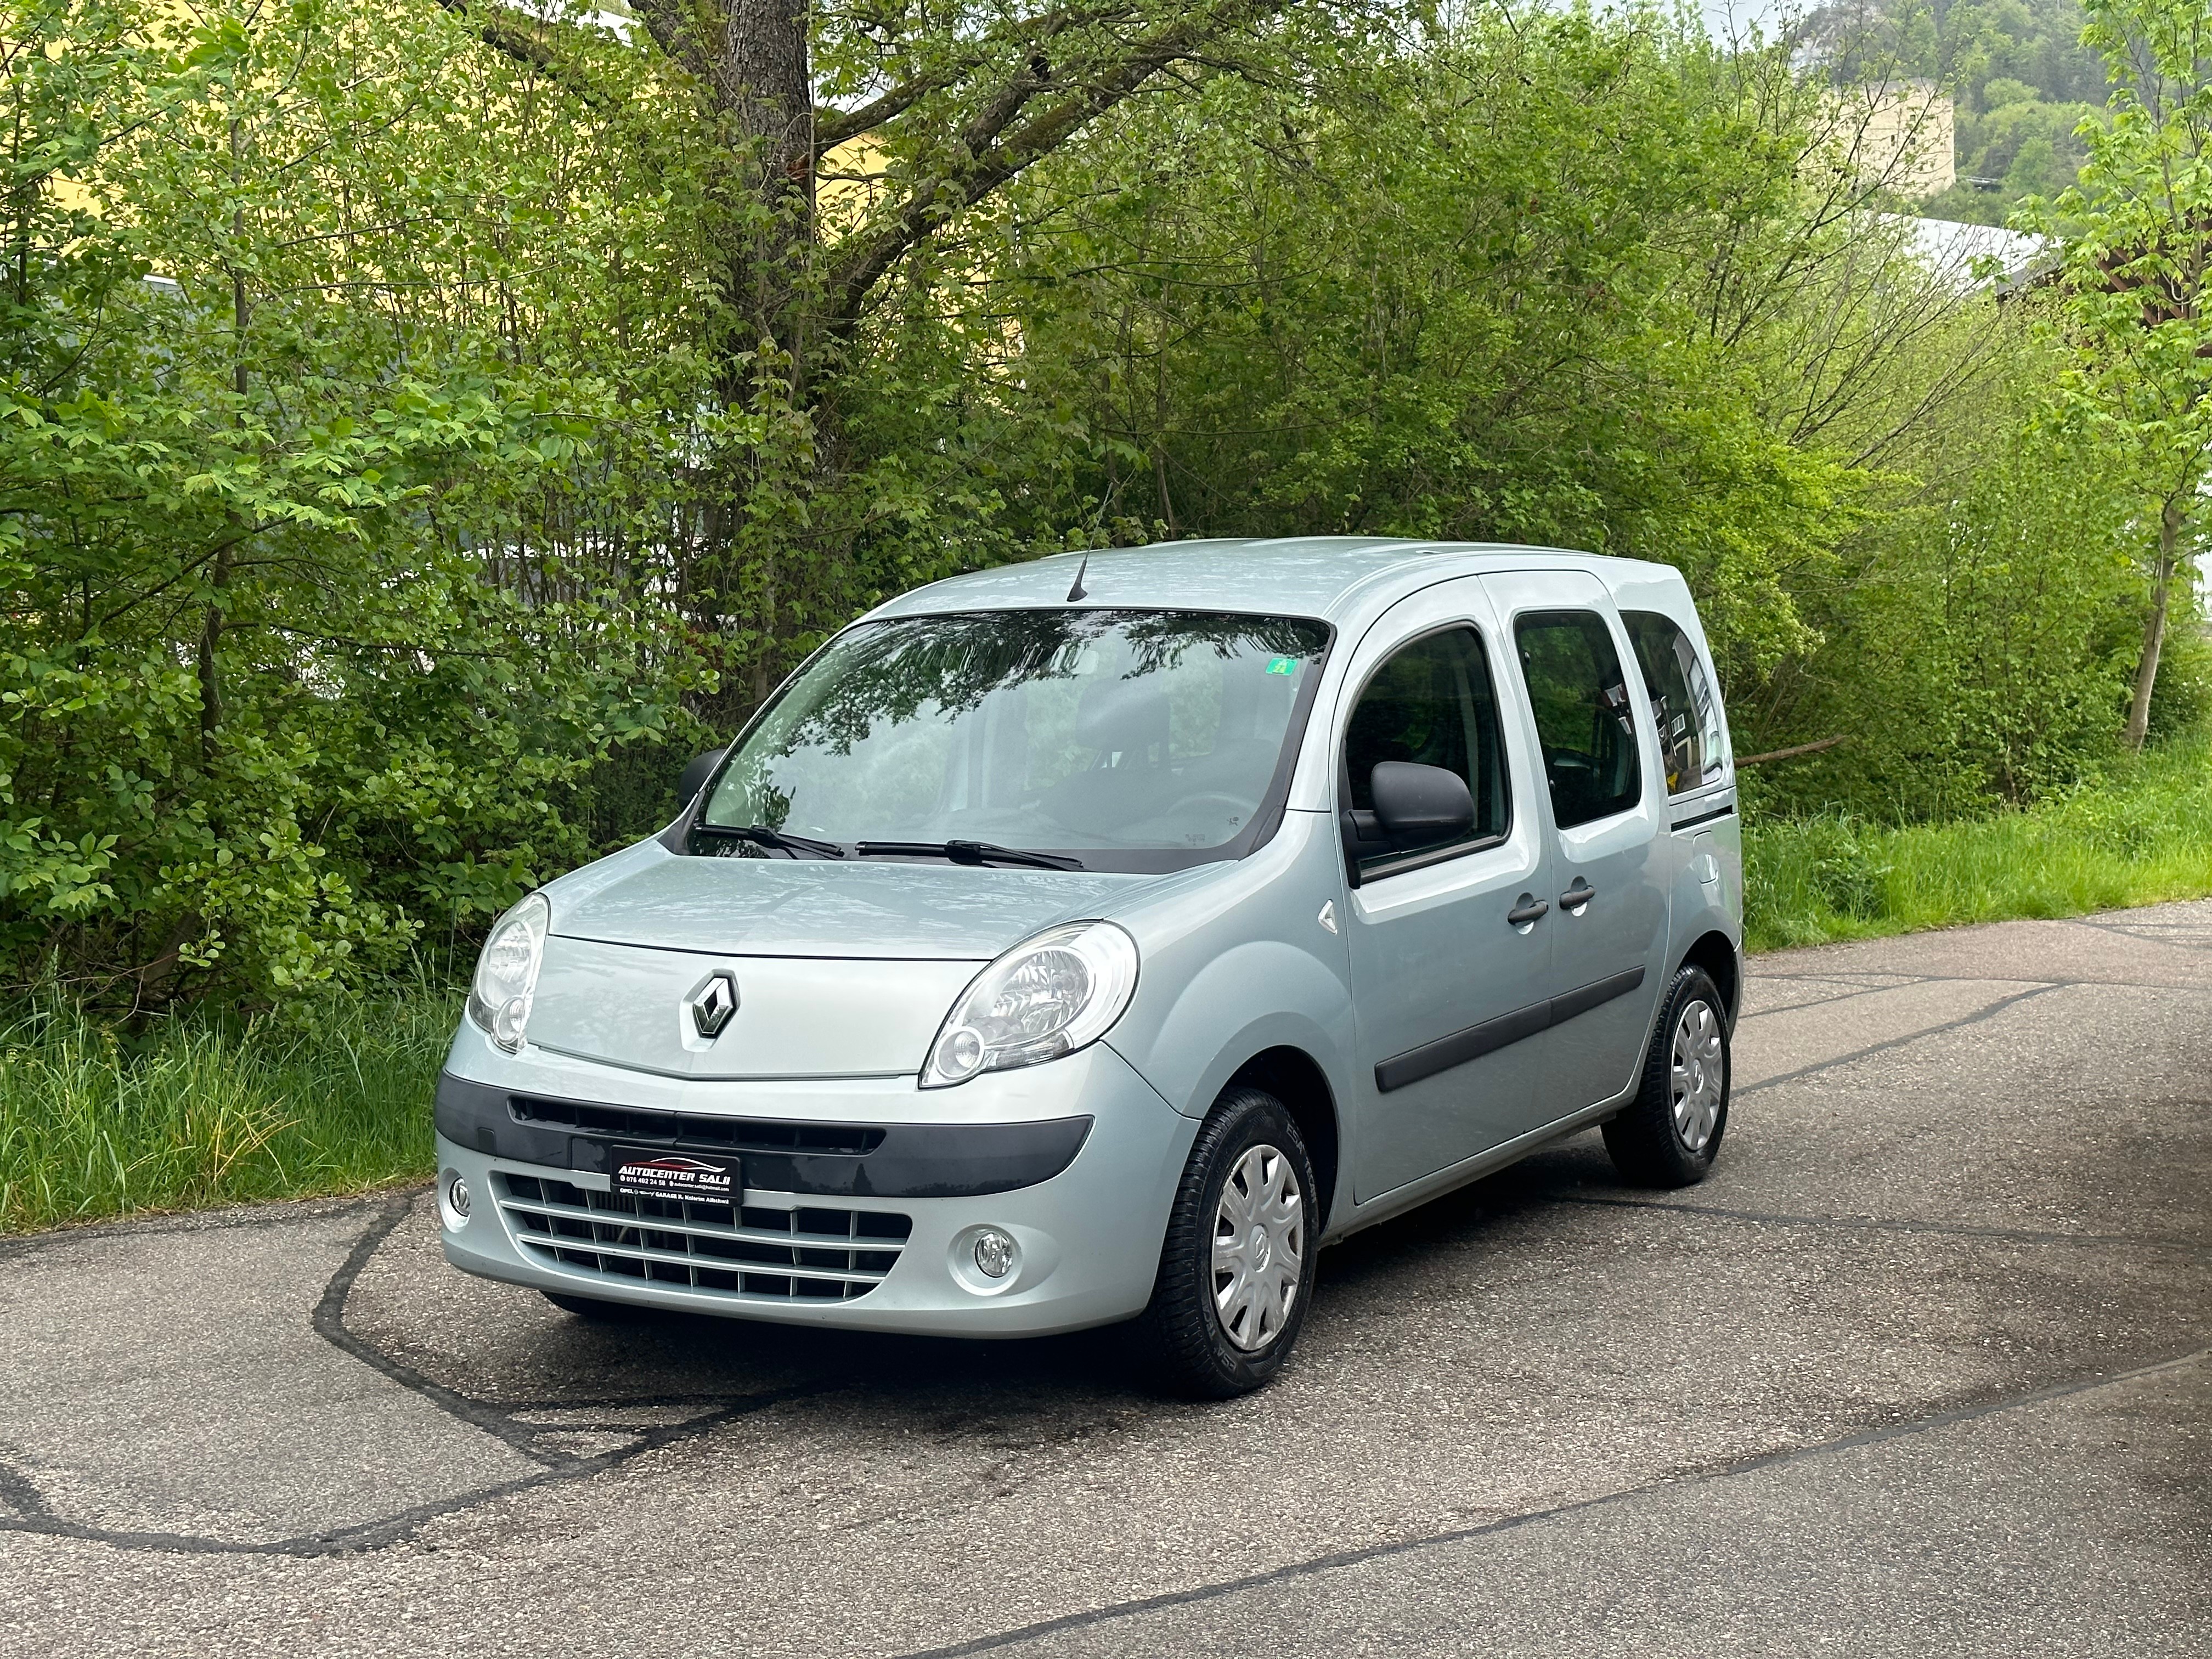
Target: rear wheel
[(1237, 1269), (1669, 1134)]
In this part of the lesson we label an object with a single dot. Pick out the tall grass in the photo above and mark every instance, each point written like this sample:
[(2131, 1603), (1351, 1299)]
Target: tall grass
[(2142, 835), (200, 1110)]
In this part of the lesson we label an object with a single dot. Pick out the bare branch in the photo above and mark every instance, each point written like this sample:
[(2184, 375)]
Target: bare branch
[(986, 160), (831, 131), (671, 26), (523, 38)]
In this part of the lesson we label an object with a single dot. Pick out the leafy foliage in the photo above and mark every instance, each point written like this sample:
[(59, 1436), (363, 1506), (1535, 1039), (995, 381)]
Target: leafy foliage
[(298, 650), (424, 427), (2137, 269)]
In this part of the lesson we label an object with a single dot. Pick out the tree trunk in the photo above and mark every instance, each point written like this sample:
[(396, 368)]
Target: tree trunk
[(2169, 544), (752, 58), (210, 675), (764, 85)]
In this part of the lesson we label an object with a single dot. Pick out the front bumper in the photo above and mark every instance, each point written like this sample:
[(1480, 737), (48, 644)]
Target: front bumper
[(1087, 1239)]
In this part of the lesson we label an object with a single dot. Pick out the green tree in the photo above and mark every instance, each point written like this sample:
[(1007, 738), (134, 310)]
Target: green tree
[(2137, 236), (845, 146), (300, 656)]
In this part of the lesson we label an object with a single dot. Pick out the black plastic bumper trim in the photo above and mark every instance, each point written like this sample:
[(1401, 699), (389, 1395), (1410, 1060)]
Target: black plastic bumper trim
[(912, 1160), (1506, 1029)]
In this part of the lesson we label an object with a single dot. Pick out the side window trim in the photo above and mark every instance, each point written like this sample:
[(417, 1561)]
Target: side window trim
[(1409, 862)]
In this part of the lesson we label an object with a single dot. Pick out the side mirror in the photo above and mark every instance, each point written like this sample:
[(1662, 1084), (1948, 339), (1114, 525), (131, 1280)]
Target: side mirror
[(695, 775), (1421, 805)]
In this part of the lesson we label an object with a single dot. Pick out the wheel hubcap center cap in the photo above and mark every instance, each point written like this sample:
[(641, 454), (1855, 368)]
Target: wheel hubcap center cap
[(1256, 1243)]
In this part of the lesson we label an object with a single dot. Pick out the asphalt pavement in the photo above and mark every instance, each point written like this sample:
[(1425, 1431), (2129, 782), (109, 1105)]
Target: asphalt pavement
[(1924, 1369)]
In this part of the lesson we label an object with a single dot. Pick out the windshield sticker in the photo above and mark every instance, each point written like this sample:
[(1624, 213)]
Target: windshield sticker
[(1282, 665)]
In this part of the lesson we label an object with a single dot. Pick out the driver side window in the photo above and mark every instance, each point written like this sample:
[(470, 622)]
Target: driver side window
[(1430, 703)]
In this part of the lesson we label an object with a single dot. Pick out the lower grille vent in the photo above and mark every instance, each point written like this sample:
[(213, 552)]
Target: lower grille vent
[(731, 1133), (802, 1255)]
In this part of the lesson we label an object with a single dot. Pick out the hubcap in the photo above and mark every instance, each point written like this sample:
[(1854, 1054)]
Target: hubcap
[(1699, 1076), (1259, 1248)]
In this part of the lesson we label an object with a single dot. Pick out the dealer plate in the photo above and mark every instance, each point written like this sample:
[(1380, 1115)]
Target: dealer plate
[(644, 1172)]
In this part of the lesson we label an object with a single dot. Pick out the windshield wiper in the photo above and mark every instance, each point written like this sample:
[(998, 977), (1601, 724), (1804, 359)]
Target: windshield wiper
[(760, 836), (964, 852)]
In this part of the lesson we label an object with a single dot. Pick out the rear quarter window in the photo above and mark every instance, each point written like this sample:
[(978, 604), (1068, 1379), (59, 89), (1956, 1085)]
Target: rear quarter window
[(1684, 705)]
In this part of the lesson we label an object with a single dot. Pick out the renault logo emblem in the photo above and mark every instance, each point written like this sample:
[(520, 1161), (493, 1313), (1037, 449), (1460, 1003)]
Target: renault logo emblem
[(713, 1002)]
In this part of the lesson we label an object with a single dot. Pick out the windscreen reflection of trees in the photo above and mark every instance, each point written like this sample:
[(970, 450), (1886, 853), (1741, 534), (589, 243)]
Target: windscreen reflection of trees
[(1046, 728)]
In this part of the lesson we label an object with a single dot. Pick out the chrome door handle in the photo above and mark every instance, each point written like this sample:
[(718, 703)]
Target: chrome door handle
[(1527, 913), (1576, 897)]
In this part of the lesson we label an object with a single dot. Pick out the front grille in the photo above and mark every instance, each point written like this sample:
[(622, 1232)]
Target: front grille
[(799, 1255), (719, 1133)]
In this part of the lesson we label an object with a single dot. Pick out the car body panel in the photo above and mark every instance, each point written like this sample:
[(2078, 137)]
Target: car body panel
[(794, 1016), (1245, 964), (1623, 858), (779, 907), (1432, 953)]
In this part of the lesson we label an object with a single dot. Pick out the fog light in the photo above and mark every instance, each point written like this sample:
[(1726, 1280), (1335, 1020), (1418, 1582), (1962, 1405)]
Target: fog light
[(994, 1253), (456, 1197)]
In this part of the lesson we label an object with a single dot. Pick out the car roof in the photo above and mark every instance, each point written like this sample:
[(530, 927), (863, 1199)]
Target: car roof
[(1330, 577)]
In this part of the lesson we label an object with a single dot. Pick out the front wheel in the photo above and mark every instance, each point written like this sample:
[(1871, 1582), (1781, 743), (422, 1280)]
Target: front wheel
[(1669, 1135), (1237, 1269)]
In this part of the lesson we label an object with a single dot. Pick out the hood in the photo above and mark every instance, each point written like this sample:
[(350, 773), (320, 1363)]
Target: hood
[(809, 908)]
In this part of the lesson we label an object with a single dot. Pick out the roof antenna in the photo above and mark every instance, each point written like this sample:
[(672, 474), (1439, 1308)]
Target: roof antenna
[(1078, 592)]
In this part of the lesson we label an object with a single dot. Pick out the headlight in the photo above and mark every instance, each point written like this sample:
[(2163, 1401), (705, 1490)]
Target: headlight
[(506, 972), (1047, 997)]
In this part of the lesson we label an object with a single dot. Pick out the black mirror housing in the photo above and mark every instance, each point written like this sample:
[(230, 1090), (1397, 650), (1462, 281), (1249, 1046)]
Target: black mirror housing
[(1421, 805), (695, 775)]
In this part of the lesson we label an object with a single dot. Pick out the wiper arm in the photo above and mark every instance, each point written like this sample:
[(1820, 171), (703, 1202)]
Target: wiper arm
[(965, 852), (760, 836)]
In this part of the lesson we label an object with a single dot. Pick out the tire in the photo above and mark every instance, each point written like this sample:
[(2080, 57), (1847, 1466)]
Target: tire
[(1198, 1348), (1670, 1133), (597, 1312)]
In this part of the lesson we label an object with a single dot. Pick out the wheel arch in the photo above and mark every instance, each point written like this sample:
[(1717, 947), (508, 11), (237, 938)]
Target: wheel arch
[(1716, 953), (1295, 1077)]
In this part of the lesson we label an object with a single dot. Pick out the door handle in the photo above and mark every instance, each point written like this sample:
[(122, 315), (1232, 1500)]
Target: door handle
[(1575, 898), (1527, 913)]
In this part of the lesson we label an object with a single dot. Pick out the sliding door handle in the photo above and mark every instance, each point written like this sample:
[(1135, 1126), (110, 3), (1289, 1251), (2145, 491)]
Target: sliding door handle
[(1527, 913), (1574, 897)]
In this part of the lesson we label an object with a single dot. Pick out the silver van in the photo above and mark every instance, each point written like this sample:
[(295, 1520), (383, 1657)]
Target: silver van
[(1097, 937)]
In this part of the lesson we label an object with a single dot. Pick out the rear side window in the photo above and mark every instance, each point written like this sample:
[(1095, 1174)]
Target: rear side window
[(1432, 703), (1580, 698), (1683, 704)]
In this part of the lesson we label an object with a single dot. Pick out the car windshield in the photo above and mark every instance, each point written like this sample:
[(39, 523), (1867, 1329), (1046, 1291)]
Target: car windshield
[(1078, 731)]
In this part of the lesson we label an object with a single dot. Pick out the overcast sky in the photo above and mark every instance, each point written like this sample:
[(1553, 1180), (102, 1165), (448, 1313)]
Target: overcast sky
[(1719, 13)]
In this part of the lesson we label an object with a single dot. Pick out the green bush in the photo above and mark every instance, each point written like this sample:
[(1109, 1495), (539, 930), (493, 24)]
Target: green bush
[(304, 661)]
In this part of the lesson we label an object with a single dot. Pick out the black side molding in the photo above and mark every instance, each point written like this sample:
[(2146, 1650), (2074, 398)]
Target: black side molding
[(903, 1160), (1460, 1046), (1492, 1035), (1593, 995), (1728, 812)]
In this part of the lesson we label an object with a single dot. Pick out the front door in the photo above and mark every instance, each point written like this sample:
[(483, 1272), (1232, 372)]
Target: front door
[(1447, 990), (1609, 893)]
